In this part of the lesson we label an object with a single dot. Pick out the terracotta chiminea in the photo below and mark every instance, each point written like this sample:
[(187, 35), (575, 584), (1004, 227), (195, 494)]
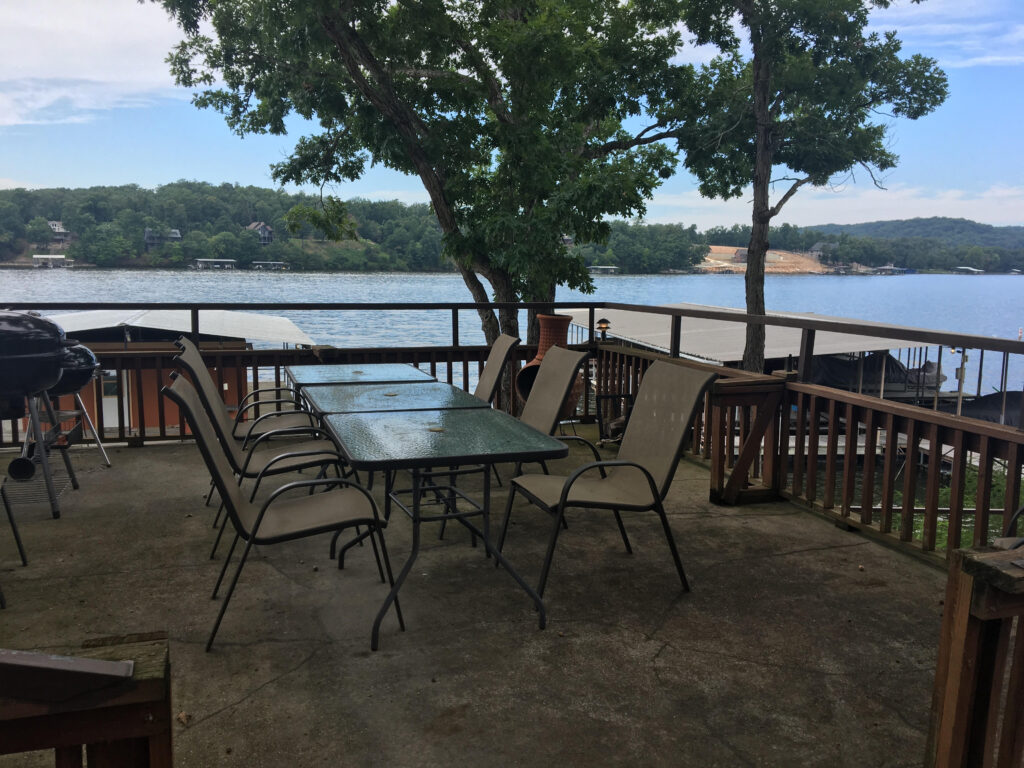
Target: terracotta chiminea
[(554, 331)]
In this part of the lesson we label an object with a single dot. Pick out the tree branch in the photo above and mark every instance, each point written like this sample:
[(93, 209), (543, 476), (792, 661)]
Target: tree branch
[(637, 141), (774, 210)]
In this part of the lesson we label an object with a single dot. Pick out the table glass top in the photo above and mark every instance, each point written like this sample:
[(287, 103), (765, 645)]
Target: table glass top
[(402, 396), (409, 439), (355, 373)]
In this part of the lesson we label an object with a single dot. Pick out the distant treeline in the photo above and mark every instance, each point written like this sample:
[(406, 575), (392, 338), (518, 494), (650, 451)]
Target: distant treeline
[(107, 227)]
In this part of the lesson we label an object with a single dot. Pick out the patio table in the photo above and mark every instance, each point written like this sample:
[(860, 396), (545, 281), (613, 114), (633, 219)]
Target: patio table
[(349, 373), (418, 440), (401, 396)]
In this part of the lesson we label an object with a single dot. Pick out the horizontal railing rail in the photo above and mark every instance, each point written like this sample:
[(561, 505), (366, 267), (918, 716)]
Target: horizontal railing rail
[(924, 480)]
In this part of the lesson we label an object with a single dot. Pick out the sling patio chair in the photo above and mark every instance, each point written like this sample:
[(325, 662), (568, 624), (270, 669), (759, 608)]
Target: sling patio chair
[(555, 377), (551, 387), (490, 377), (243, 428), (340, 505), (639, 478), (263, 458)]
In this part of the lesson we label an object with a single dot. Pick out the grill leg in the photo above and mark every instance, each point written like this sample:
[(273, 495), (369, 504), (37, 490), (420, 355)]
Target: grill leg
[(44, 461)]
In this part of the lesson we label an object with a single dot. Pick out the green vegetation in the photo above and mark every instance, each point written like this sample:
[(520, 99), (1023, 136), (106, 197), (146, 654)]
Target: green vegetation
[(193, 220), (109, 223), (794, 99), (528, 124)]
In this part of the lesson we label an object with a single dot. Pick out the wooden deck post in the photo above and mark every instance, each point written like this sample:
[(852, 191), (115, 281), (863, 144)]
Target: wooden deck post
[(977, 714)]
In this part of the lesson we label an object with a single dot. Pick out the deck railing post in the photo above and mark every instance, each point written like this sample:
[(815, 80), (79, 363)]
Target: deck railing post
[(677, 324), (455, 327), (806, 353), (979, 680)]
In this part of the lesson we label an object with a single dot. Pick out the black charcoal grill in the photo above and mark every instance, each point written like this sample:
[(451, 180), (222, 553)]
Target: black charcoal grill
[(31, 359)]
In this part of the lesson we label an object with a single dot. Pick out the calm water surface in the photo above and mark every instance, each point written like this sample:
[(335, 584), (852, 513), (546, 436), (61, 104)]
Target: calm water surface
[(987, 305)]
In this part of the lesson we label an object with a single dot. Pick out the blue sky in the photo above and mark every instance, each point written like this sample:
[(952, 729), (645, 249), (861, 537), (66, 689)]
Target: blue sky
[(86, 99)]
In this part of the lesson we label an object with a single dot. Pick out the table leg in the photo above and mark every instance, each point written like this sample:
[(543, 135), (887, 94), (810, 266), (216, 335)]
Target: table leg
[(400, 579)]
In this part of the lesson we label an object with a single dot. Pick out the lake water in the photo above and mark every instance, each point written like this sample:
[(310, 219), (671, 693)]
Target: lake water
[(987, 305)]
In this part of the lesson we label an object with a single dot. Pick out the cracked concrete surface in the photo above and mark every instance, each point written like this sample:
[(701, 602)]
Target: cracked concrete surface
[(786, 652)]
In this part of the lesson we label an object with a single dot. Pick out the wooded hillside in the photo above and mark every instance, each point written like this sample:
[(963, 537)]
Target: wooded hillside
[(186, 220)]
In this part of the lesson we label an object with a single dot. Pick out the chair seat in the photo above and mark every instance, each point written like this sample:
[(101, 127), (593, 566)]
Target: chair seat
[(305, 515), (624, 488), (286, 420)]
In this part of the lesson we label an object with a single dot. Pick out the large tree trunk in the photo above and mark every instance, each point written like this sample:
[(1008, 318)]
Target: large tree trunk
[(757, 248)]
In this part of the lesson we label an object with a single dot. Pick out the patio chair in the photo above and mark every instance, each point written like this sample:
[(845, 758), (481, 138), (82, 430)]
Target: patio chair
[(490, 377), (551, 387), (555, 377), (639, 478), (14, 529), (342, 504), (295, 416)]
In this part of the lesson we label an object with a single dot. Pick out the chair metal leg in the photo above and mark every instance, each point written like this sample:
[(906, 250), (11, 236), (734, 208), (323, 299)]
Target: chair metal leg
[(209, 495), (672, 546), (224, 568), (230, 592), (549, 556), (622, 531), (216, 541)]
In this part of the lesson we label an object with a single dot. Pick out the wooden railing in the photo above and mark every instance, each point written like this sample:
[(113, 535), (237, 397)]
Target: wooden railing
[(923, 480)]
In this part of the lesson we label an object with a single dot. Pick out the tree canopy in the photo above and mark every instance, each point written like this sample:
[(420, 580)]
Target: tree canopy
[(804, 96), (527, 122)]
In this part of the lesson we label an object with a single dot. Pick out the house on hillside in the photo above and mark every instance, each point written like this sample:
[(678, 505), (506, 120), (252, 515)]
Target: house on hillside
[(153, 237), (60, 237), (263, 230)]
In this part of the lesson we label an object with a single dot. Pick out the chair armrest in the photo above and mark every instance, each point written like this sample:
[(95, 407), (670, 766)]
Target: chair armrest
[(337, 459), (590, 445), (313, 422), (327, 481), (242, 410), (287, 432), (601, 466), (256, 392)]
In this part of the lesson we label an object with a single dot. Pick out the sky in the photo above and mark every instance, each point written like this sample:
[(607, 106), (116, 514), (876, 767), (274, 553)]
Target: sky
[(86, 99)]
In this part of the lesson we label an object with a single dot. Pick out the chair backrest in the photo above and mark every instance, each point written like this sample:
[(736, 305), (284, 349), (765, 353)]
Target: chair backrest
[(668, 397), (554, 380), (501, 350), (212, 448), (191, 360)]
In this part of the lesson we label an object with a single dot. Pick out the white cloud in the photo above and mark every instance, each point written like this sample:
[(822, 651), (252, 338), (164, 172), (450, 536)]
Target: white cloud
[(959, 33), (997, 205), (64, 59)]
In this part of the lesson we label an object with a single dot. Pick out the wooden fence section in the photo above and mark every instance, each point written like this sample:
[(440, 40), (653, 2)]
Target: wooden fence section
[(933, 481)]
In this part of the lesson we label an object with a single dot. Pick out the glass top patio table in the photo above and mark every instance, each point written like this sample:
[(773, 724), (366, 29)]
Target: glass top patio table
[(431, 438), (350, 373), (420, 440), (401, 396)]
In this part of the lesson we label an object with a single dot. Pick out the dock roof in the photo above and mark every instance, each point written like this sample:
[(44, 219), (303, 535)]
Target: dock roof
[(722, 341), (250, 326)]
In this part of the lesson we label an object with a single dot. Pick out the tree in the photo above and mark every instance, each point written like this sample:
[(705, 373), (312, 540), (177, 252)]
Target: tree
[(799, 99), (513, 114), (38, 232)]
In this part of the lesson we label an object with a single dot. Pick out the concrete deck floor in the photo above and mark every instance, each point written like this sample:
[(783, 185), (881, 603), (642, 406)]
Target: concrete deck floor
[(800, 644)]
